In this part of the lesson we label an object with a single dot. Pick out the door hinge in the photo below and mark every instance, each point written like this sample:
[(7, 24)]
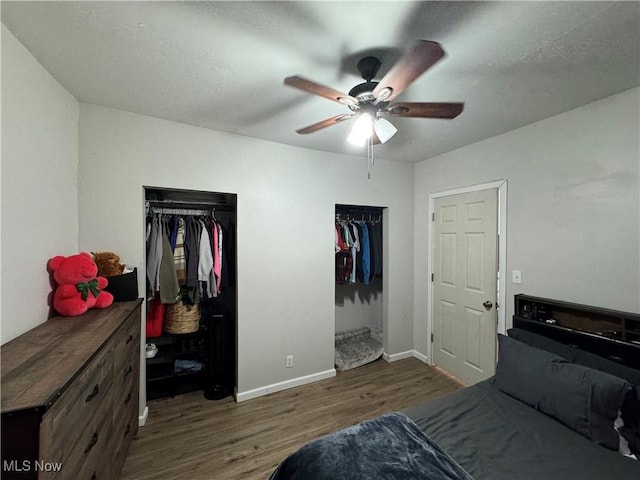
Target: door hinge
[(433, 216), (432, 338), (432, 277)]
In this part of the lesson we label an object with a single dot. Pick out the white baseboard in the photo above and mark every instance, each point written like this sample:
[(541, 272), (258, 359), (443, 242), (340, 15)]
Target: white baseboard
[(421, 357), (142, 419), (276, 387), (402, 355)]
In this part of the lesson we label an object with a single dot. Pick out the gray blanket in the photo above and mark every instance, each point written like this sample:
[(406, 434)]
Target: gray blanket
[(389, 447)]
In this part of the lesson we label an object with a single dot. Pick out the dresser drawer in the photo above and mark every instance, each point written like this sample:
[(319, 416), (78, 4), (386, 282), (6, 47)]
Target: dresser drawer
[(127, 379), (75, 408), (125, 410), (126, 339), (126, 359), (125, 426), (127, 371), (87, 458)]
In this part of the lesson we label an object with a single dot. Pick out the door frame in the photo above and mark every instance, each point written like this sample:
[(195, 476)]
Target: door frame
[(501, 186)]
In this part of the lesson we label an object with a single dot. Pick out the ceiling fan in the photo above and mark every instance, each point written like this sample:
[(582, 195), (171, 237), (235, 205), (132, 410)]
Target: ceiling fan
[(370, 100)]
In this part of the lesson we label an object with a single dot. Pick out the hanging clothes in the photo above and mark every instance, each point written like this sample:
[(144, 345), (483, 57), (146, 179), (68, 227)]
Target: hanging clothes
[(359, 274), (361, 241), (341, 246), (191, 251), (168, 279), (185, 256), (344, 260), (343, 267), (366, 254), (179, 256), (228, 253), (216, 234), (173, 231), (205, 261), (375, 237), (154, 254), (355, 248)]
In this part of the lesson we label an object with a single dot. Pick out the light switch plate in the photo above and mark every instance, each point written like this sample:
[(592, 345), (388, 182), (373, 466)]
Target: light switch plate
[(516, 276)]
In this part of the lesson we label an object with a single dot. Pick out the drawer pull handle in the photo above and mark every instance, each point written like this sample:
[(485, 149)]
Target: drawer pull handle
[(127, 430), (93, 394), (128, 399), (128, 371), (129, 340), (93, 441)]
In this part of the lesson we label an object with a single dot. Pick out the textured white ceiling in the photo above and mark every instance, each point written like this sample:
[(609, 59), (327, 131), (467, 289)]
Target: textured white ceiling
[(220, 65)]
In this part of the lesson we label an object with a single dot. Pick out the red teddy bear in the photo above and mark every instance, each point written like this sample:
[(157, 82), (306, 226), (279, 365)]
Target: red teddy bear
[(79, 287)]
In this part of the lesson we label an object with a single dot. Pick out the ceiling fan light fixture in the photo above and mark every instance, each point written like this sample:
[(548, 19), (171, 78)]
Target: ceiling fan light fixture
[(384, 129), (361, 131)]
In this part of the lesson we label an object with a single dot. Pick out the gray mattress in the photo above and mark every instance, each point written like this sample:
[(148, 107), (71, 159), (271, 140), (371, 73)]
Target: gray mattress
[(494, 437)]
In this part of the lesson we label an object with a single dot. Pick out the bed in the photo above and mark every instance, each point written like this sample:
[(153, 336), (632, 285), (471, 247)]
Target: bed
[(552, 411)]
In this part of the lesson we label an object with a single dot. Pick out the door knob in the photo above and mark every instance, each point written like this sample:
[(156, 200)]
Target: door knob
[(488, 305)]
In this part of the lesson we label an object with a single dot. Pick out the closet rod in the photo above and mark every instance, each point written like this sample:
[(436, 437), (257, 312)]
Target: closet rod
[(178, 204), (346, 209), (181, 211), (359, 213)]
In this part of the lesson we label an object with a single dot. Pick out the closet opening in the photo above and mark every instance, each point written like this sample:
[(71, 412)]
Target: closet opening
[(191, 292), (358, 285)]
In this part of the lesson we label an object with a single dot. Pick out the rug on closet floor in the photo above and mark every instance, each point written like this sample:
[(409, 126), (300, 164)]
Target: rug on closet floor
[(357, 347)]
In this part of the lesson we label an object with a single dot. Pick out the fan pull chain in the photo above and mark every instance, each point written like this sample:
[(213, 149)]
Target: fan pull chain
[(370, 159)]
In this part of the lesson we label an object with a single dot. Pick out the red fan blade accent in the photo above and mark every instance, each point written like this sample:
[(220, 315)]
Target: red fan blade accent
[(325, 123), (413, 63), (320, 90), (425, 110)]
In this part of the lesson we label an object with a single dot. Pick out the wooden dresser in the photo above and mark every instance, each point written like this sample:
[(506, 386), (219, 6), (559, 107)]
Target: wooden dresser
[(70, 395)]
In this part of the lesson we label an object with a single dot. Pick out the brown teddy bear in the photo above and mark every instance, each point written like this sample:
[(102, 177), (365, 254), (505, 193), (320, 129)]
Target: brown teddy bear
[(108, 264)]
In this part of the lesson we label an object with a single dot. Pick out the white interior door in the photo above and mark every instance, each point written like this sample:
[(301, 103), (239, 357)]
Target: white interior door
[(464, 316)]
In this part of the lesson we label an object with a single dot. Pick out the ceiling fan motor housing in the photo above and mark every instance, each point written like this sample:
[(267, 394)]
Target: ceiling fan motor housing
[(363, 88), (368, 68)]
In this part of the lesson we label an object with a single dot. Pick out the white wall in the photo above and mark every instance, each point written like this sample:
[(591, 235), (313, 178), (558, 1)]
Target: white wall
[(39, 184), (286, 206), (359, 305), (573, 224)]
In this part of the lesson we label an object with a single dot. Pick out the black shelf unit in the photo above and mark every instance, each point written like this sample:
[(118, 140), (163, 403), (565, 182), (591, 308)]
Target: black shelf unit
[(213, 346), (611, 333), (163, 379)]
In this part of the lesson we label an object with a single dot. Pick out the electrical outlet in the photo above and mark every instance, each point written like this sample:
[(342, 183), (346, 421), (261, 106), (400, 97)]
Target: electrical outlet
[(516, 276), (289, 361)]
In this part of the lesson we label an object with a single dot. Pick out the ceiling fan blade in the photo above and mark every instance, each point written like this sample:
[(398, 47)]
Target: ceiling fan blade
[(325, 123), (413, 63), (425, 110), (321, 90)]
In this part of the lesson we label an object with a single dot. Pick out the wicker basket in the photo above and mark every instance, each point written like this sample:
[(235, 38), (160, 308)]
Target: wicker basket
[(181, 318)]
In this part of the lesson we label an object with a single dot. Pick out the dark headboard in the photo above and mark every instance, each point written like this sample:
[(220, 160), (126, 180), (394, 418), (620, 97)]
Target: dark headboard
[(608, 333)]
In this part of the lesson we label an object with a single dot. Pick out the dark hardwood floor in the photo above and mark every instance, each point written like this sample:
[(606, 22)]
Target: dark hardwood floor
[(189, 437)]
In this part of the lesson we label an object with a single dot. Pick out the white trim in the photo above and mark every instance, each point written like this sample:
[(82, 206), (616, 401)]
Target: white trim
[(501, 186), (276, 387), (402, 355), (397, 356), (421, 357), (142, 419)]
